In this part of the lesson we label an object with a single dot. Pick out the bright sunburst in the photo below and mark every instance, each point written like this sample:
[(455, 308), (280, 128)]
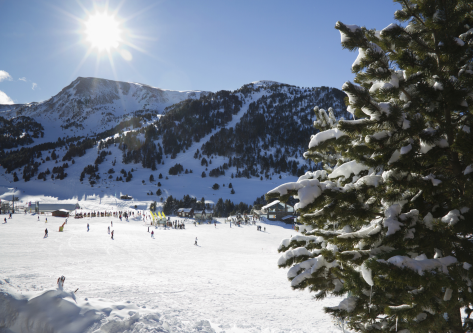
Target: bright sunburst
[(103, 32)]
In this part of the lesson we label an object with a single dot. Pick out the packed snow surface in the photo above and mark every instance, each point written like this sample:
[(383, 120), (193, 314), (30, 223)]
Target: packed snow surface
[(229, 283)]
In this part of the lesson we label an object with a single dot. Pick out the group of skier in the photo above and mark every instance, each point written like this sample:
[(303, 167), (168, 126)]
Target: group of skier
[(178, 224)]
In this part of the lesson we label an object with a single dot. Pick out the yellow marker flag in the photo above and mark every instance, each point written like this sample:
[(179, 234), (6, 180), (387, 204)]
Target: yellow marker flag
[(160, 215), (164, 215)]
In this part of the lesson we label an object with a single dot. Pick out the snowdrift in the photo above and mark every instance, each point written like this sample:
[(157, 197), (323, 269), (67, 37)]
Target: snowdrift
[(59, 311)]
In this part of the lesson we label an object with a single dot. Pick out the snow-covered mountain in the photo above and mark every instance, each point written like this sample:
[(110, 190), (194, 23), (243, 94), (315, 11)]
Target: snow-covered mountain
[(96, 104), (105, 137)]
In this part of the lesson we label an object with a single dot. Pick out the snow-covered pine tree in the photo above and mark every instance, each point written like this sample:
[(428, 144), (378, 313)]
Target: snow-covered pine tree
[(388, 224)]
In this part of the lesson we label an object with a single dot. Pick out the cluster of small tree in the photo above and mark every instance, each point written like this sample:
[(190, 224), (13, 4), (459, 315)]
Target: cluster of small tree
[(135, 151), (14, 159), (29, 170), (171, 205), (226, 208), (59, 171), (43, 175), (128, 176), (217, 172), (78, 149), (260, 202), (102, 156), (92, 171), (190, 120), (74, 124), (19, 131), (176, 169)]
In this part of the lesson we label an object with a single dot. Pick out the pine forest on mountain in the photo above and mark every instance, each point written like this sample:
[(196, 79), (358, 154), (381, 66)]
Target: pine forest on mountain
[(263, 142)]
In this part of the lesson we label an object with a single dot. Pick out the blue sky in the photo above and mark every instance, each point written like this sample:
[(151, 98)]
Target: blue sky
[(180, 45)]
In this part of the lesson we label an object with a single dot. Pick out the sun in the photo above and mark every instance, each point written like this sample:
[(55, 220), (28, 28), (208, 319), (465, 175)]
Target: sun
[(103, 32)]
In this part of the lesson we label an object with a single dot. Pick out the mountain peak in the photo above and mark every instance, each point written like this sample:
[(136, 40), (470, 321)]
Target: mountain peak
[(265, 83)]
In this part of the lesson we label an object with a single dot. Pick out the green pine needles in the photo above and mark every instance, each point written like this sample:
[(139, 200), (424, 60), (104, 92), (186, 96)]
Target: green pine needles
[(388, 223)]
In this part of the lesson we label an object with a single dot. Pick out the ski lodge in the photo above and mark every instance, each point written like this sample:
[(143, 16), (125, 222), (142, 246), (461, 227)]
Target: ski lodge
[(278, 211), (185, 212), (203, 214), (48, 208)]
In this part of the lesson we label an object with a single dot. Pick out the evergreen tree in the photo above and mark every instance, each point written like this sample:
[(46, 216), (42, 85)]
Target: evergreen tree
[(168, 205), (388, 223), (219, 208)]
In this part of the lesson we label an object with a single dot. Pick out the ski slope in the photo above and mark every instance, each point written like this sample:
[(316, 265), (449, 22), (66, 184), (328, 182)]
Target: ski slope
[(229, 283)]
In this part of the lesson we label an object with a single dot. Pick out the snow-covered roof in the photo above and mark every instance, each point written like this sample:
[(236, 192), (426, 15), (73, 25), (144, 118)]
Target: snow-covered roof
[(271, 204), (184, 210), (288, 217), (198, 211)]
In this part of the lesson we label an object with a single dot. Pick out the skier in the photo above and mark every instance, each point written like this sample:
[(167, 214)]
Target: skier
[(46, 221), (112, 234), (109, 230), (152, 234), (5, 219), (148, 230), (10, 215), (215, 223), (111, 223), (45, 232), (87, 227), (195, 241), (38, 218)]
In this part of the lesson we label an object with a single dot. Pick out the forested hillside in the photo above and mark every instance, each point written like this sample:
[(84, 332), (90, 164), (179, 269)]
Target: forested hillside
[(256, 132)]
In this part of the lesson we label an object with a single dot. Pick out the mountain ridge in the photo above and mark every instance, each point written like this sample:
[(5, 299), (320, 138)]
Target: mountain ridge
[(254, 133)]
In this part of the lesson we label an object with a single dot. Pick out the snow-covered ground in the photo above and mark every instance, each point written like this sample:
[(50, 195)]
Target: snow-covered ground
[(230, 282)]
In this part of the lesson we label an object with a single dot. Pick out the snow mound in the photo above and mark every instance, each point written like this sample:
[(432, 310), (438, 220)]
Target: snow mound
[(56, 310)]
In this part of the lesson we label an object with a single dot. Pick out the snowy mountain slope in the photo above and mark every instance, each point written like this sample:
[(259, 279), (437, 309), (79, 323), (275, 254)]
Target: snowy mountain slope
[(253, 137), (91, 105)]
